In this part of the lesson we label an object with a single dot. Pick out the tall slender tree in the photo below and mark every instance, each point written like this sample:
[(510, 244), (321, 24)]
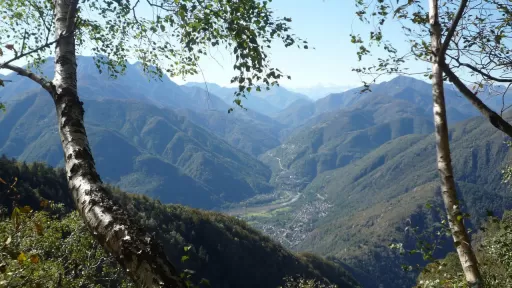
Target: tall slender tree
[(444, 163), (472, 39), (467, 37), (177, 33)]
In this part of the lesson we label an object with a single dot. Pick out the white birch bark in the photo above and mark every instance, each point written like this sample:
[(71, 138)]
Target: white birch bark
[(460, 236), (141, 255)]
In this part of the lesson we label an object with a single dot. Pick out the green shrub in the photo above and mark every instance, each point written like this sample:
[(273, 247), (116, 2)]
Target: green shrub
[(40, 250)]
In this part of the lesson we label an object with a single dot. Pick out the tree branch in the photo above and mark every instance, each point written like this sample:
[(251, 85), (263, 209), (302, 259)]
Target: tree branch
[(19, 56), (503, 100), (453, 27), (495, 119), (23, 42), (485, 74), (24, 72)]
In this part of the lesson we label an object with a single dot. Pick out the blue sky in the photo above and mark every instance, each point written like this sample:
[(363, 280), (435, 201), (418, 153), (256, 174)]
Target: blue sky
[(326, 24)]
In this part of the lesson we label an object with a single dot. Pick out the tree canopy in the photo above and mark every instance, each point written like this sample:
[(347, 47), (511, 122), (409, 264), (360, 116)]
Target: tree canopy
[(165, 36), (476, 39)]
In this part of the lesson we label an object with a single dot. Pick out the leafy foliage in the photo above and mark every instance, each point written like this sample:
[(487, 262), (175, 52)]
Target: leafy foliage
[(493, 252), (478, 46), (175, 35), (41, 249)]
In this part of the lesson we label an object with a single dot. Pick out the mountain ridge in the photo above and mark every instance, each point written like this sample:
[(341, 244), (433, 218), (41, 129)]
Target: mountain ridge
[(370, 201), (123, 131)]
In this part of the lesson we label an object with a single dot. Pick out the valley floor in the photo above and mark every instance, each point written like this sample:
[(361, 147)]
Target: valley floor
[(286, 223)]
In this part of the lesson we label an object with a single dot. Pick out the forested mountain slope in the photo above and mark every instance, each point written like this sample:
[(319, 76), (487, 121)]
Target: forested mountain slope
[(224, 250), (335, 139), (142, 148), (248, 131), (414, 92), (201, 107), (374, 196), (353, 212)]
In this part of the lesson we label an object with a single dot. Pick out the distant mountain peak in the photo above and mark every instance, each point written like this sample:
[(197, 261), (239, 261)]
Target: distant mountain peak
[(267, 102), (402, 80), (319, 91)]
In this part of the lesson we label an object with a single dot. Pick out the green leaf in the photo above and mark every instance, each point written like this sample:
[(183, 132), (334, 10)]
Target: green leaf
[(25, 209), (184, 258), (21, 258)]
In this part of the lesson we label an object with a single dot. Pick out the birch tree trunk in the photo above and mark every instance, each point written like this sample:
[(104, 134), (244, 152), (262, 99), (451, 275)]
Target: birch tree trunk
[(141, 255), (444, 165)]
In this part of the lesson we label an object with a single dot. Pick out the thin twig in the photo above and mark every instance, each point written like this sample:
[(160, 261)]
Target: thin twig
[(48, 44), (503, 100)]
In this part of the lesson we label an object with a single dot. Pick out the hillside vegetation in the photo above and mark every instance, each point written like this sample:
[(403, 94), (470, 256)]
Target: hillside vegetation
[(493, 252), (223, 249), (368, 204)]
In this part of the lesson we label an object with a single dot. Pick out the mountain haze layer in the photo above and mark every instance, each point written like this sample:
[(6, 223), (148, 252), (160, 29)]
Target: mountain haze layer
[(268, 102)]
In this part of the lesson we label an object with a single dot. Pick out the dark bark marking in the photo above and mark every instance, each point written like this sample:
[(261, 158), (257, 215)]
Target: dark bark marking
[(64, 60)]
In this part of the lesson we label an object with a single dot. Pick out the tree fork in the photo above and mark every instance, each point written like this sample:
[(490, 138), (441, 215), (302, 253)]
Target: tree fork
[(494, 118)]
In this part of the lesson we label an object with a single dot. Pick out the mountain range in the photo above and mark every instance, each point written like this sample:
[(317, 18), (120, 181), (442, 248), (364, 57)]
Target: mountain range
[(142, 148), (268, 102), (320, 90), (361, 164)]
